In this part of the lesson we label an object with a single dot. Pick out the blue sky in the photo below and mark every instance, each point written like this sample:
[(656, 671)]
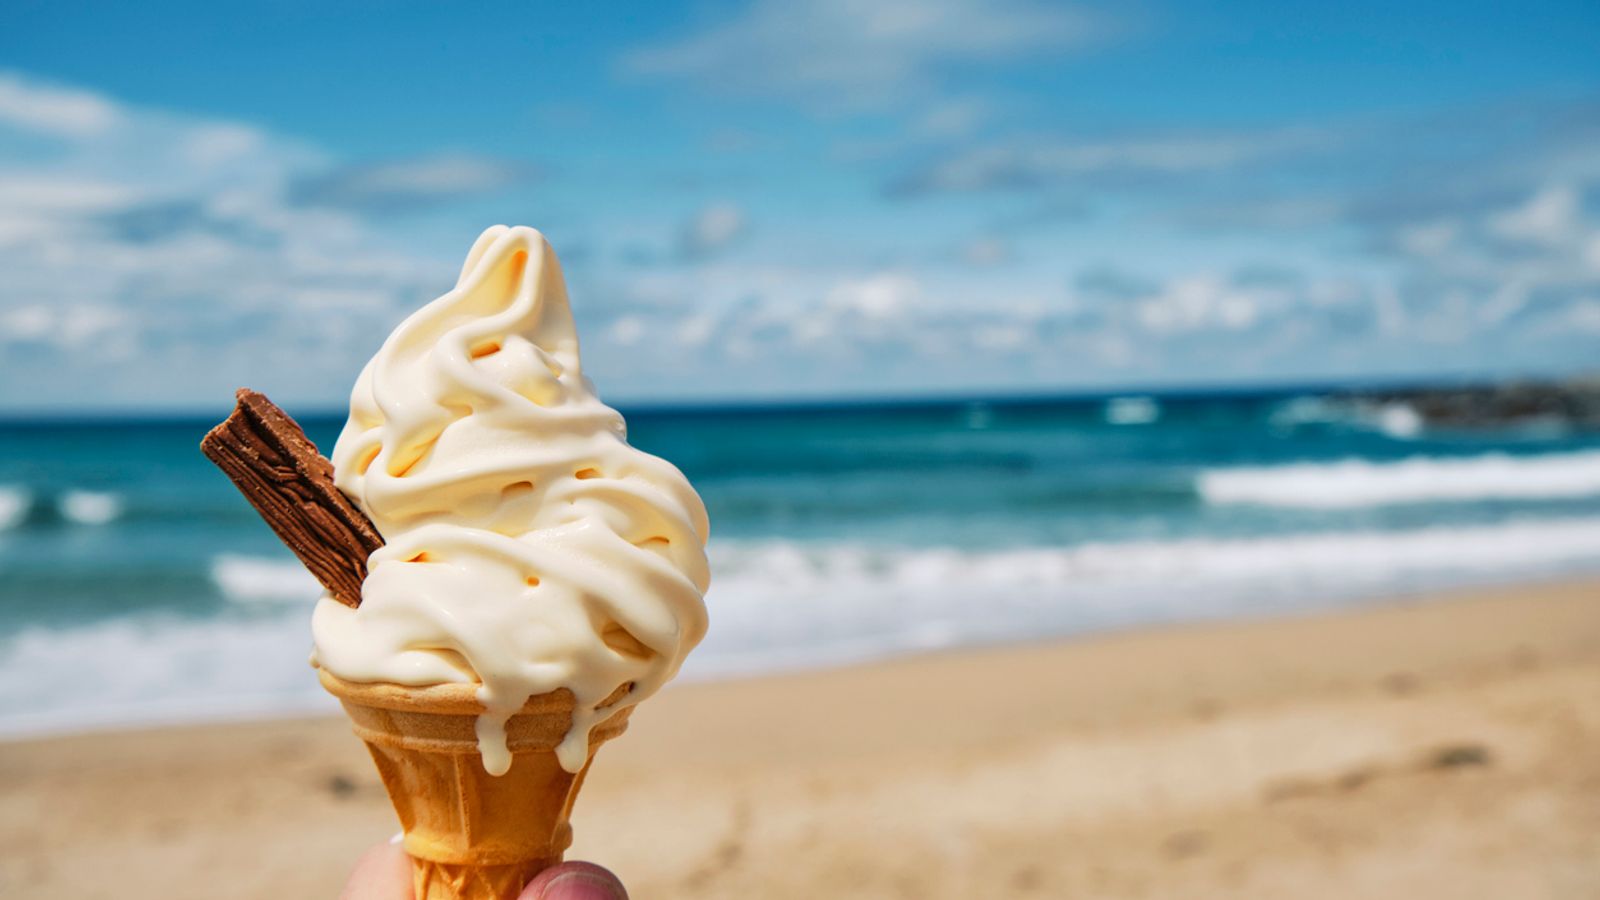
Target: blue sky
[(779, 199)]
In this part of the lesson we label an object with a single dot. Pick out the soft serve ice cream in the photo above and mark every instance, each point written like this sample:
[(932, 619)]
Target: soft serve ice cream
[(528, 547)]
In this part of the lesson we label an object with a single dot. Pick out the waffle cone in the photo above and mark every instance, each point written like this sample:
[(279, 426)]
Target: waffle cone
[(471, 835)]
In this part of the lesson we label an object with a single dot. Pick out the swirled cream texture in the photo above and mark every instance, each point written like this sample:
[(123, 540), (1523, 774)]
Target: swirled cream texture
[(528, 546)]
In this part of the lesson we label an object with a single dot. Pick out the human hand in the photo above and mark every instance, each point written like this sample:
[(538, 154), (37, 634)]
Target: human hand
[(384, 873)]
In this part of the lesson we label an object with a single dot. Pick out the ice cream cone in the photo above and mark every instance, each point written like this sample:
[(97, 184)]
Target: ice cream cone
[(472, 835)]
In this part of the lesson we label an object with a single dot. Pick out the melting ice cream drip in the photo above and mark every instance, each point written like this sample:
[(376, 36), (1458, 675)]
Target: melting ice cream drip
[(528, 547)]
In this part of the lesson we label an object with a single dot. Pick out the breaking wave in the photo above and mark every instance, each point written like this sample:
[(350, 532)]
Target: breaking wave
[(784, 604), (1357, 483), (89, 507), (15, 502), (250, 579), (20, 507)]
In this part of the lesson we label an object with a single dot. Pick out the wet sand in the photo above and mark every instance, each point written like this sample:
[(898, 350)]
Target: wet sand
[(1445, 746)]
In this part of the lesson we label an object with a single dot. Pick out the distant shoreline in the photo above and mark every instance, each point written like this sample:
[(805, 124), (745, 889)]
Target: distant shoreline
[(1378, 386)]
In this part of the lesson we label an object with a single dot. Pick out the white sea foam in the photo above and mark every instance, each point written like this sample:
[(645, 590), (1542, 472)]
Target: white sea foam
[(14, 505), (1396, 419), (789, 604), (1400, 421), (89, 507), (1358, 483), (778, 604), (156, 670), (1132, 410), (251, 579)]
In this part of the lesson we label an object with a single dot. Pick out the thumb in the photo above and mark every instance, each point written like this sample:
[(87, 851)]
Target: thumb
[(574, 881), (383, 873)]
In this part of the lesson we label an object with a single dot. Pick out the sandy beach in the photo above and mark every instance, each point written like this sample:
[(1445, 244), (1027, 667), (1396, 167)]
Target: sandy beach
[(1431, 747)]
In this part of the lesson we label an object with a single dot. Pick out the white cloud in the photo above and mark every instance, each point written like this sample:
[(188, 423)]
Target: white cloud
[(406, 183), (212, 145), (47, 194), (743, 327), (836, 54), (1429, 238), (1026, 164), (1008, 336), (155, 259), (48, 109), (1505, 261), (166, 258), (1376, 270), (626, 330), (696, 330), (36, 204), (1548, 217), (27, 323), (1584, 316), (1202, 302), (881, 296), (954, 117), (711, 230), (72, 327)]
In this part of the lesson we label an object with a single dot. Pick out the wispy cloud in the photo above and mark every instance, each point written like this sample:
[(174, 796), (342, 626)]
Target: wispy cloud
[(408, 184), (837, 55), (54, 110), (711, 230), (155, 258), (896, 329), (988, 250), (152, 257), (1497, 248), (1031, 163), (1505, 287), (1549, 217)]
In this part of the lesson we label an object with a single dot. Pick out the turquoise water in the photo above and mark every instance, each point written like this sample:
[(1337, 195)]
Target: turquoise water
[(129, 566)]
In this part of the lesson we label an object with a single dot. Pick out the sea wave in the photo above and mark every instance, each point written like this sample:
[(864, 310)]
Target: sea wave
[(156, 670), (1131, 410), (1396, 419), (1358, 483), (90, 507), (759, 571), (252, 579), (15, 502), (785, 604), (20, 506)]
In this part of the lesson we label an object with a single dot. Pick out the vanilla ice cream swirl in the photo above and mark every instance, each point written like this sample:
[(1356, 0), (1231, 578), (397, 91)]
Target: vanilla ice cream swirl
[(528, 546)]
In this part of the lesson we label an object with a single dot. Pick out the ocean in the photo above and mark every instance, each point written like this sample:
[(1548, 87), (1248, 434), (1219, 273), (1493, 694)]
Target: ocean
[(136, 585)]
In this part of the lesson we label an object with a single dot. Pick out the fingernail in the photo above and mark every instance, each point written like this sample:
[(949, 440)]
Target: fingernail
[(398, 837), (582, 885)]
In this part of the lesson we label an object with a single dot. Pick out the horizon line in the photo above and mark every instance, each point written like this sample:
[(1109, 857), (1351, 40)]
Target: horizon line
[(803, 403)]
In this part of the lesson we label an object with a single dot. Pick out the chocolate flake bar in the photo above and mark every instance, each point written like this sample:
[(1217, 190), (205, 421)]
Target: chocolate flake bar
[(278, 469)]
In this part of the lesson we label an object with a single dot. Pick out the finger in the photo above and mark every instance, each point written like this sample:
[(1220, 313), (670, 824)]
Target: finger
[(574, 881), (382, 873)]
